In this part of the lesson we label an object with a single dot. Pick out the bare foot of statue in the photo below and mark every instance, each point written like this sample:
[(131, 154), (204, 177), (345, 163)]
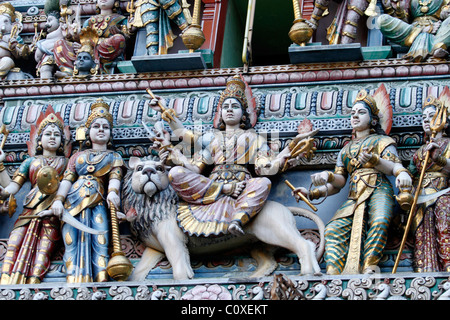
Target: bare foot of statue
[(440, 53), (234, 190), (235, 229)]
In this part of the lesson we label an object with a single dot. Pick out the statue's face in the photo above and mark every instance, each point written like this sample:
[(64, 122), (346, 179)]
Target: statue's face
[(360, 117), (231, 111), (149, 176), (51, 138), (52, 23), (106, 4), (5, 24), (84, 62), (427, 116), (100, 131)]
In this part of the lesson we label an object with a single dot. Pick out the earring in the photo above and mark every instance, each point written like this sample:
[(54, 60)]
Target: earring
[(88, 143), (39, 148), (94, 71)]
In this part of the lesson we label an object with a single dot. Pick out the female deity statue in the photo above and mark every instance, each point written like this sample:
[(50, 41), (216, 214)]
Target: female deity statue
[(112, 31), (90, 185), (428, 34), (361, 224), (36, 232), (432, 218), (225, 200)]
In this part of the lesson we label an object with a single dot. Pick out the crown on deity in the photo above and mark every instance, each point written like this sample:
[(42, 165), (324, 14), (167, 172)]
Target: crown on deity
[(432, 101), (88, 40), (368, 100), (50, 117), (99, 109), (7, 8), (238, 88), (235, 89)]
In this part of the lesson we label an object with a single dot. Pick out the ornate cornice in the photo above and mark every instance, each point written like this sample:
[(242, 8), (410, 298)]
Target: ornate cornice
[(313, 73)]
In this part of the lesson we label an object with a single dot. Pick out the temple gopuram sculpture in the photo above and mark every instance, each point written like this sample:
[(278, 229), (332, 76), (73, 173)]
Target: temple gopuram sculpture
[(224, 149), (423, 27), (34, 238), (11, 44), (345, 23), (46, 65), (357, 233), (155, 17), (112, 31), (430, 217), (90, 186)]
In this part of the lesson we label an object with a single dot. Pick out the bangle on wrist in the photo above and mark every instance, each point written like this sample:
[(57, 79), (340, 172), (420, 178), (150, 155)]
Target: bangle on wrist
[(374, 160), (398, 171), (60, 198), (331, 176), (113, 190), (314, 194)]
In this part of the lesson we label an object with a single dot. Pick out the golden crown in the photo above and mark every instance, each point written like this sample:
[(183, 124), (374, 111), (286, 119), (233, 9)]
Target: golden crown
[(432, 101), (7, 8), (50, 117), (235, 89), (367, 99), (99, 109)]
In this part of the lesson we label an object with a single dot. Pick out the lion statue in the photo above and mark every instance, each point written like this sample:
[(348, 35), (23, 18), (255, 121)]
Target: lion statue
[(150, 204)]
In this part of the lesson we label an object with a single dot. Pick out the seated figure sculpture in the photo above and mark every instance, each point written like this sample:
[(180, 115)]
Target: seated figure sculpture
[(11, 44), (230, 197), (426, 33), (112, 30)]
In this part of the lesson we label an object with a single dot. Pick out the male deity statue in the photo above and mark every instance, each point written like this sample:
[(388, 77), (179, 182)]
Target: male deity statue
[(423, 26), (155, 16), (11, 44), (44, 48)]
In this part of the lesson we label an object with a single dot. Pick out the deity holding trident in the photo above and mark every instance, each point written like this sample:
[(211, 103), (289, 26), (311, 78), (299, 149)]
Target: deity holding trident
[(428, 216)]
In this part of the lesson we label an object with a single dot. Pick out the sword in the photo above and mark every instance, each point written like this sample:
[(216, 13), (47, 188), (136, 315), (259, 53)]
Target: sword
[(428, 197), (67, 218)]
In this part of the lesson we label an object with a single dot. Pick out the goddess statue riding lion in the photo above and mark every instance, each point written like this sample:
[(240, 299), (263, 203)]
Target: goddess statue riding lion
[(176, 210)]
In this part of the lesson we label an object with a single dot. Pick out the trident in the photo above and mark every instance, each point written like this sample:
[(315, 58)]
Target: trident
[(437, 124)]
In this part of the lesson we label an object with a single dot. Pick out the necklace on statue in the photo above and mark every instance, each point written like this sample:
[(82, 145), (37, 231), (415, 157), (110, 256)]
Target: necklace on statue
[(424, 5)]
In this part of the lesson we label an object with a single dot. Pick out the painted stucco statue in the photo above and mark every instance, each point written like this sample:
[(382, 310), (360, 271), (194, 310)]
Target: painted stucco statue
[(151, 206), (424, 27), (90, 186), (155, 17), (112, 30), (11, 44), (224, 185), (432, 216), (343, 29), (36, 232), (46, 65), (357, 233)]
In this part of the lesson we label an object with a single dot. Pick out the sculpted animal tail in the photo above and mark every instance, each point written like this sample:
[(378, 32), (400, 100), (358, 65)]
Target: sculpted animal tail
[(301, 212)]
